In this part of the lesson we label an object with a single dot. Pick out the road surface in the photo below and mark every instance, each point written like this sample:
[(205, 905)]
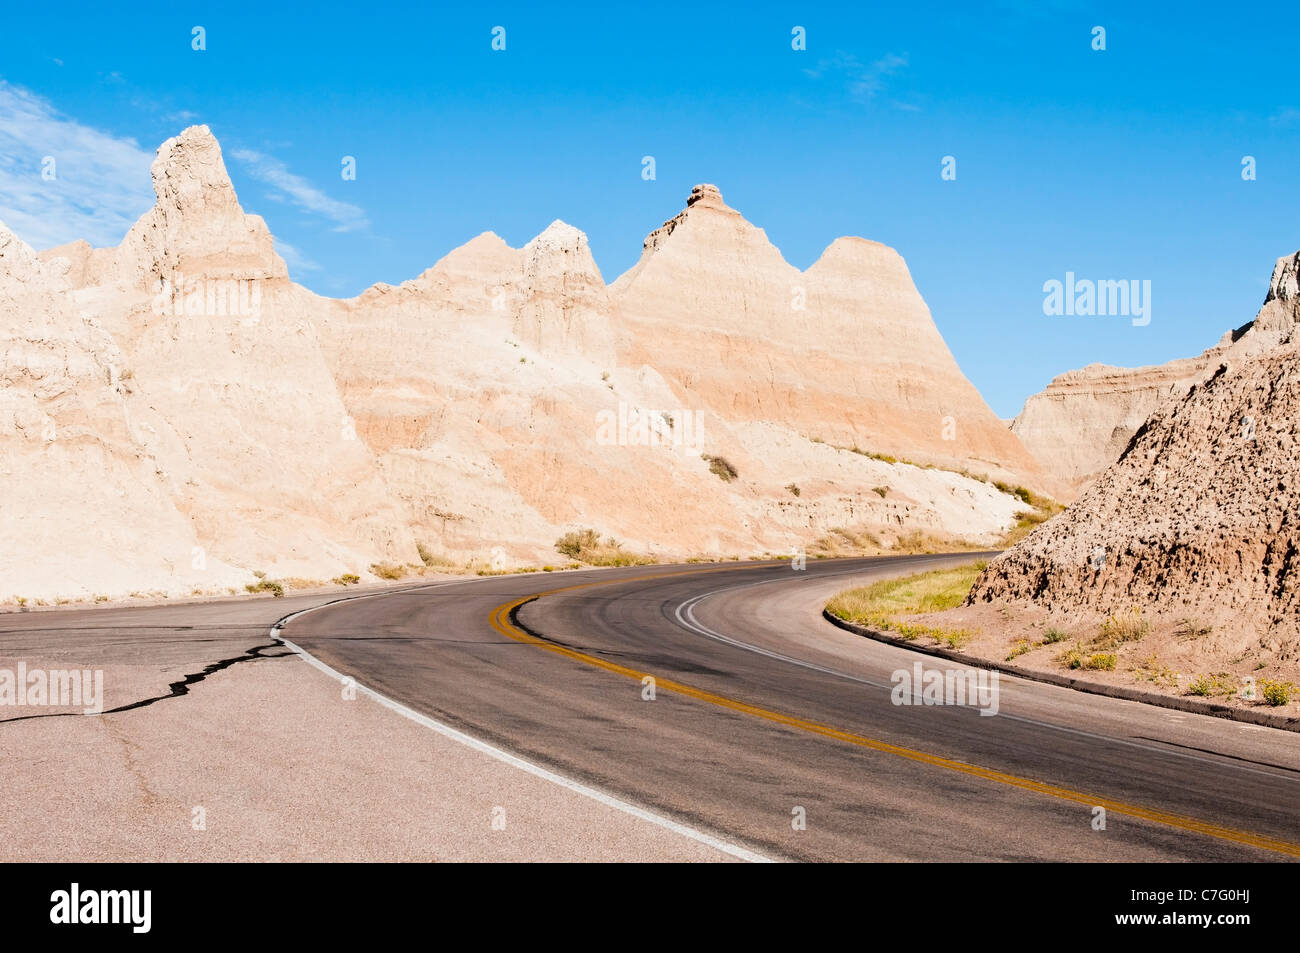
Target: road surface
[(776, 731)]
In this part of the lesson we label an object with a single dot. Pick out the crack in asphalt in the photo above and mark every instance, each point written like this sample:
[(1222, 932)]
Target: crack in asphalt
[(175, 689)]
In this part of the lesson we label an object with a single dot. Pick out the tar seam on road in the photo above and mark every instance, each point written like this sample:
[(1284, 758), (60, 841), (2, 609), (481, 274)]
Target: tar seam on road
[(174, 690), (505, 620)]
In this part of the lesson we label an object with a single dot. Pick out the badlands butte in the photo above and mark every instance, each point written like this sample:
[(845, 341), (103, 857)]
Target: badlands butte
[(177, 415)]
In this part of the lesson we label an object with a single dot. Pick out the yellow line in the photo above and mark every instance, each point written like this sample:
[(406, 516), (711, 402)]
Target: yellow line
[(500, 619)]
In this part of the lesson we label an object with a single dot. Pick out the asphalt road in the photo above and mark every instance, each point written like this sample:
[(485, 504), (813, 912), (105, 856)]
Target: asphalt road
[(763, 714)]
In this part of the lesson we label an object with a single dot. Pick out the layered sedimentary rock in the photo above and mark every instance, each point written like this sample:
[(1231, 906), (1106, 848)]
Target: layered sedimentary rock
[(1199, 514), (176, 413), (845, 351), (1082, 421), (216, 405)]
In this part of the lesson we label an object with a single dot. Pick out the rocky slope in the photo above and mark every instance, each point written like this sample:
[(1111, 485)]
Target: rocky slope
[(1198, 517), (845, 351), (1082, 421), (176, 413)]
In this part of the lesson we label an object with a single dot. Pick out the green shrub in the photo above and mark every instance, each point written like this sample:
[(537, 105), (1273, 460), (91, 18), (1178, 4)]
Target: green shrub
[(1207, 686), (1276, 692), (266, 585), (1053, 635), (881, 491), (1020, 648), (720, 467)]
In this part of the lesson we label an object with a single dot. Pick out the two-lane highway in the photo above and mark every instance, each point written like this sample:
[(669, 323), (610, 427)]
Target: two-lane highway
[(775, 731)]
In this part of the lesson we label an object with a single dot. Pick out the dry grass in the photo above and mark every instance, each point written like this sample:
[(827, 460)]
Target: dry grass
[(1120, 628), (886, 604), (587, 547), (841, 541), (720, 467), (388, 570)]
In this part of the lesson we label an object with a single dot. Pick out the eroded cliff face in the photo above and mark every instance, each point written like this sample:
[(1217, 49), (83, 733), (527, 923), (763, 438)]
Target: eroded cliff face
[(1082, 421), (176, 413), (845, 351), (1198, 516), (192, 394)]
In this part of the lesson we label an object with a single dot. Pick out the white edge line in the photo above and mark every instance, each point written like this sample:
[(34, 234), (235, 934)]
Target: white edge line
[(447, 731)]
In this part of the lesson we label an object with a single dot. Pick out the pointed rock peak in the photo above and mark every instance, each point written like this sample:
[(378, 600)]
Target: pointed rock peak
[(10, 242), (16, 256), (560, 248), (190, 170), (1286, 279), (706, 195), (486, 241), (559, 235)]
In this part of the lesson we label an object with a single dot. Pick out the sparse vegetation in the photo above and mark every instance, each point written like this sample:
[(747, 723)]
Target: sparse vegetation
[(1098, 661), (839, 541), (1192, 629), (1152, 671), (1053, 635), (880, 491), (347, 579), (388, 570), (1023, 494), (720, 467), (432, 560), (793, 488), (1120, 628), (586, 546), (1020, 648), (884, 605), (1209, 686), (1276, 692), (263, 584)]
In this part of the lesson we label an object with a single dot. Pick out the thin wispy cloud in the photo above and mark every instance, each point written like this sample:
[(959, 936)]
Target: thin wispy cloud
[(288, 186), (1285, 118), (294, 258), (863, 81), (100, 184)]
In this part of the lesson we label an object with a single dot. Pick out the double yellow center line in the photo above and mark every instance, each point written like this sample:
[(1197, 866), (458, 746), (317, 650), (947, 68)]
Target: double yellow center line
[(501, 619)]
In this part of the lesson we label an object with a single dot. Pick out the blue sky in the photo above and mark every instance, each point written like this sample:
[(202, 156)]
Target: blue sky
[(1122, 164)]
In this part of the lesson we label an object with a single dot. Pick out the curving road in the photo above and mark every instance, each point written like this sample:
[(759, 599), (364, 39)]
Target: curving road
[(763, 712)]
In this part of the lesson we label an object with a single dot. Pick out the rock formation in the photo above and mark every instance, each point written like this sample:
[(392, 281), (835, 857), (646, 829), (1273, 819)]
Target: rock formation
[(210, 418), (1082, 421), (845, 351), (1198, 517)]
